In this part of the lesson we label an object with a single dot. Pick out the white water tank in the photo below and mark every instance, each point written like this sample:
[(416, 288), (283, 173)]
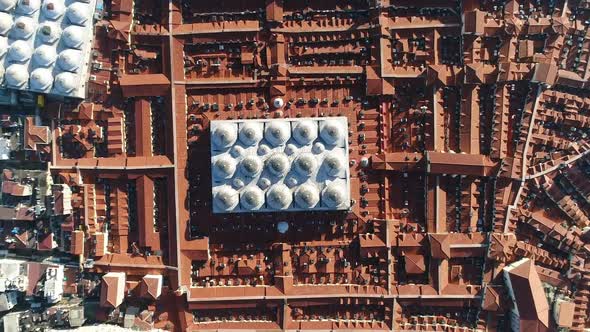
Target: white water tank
[(278, 102)]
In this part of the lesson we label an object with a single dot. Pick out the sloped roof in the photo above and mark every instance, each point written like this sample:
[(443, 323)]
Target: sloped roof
[(491, 300), (439, 246), (151, 286), (529, 295), (415, 264), (112, 289)]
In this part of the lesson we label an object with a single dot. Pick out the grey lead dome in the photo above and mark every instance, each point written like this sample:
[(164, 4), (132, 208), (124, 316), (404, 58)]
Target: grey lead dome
[(251, 166), (332, 132), (224, 167), (279, 197), (250, 134), (306, 164), (333, 195), (277, 133), (334, 165), (252, 198), (307, 196), (224, 136), (278, 164), (226, 198), (305, 132)]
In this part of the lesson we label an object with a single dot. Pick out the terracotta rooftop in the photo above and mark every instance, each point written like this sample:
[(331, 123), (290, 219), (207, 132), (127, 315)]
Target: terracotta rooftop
[(112, 289)]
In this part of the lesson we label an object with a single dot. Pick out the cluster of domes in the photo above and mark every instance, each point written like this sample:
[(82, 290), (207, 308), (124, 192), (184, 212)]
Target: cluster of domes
[(279, 197), (277, 165), (33, 44)]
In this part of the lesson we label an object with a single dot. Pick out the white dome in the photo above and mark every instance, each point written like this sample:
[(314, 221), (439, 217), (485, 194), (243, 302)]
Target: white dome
[(3, 46), (224, 167), (73, 37), (237, 183), (49, 32), (250, 133), (251, 166), (44, 55), (332, 132), (291, 181), (226, 198), (305, 164), (277, 133), (53, 9), (41, 79), (224, 136), (279, 197), (252, 198), (6, 5), (318, 148), (236, 151), (263, 149), (291, 149), (333, 195), (78, 13), (278, 164), (264, 183), (278, 102), (28, 7), (307, 196), (334, 164), (69, 60), (65, 82), (16, 75), (19, 51), (305, 132), (23, 27), (282, 227), (5, 23)]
